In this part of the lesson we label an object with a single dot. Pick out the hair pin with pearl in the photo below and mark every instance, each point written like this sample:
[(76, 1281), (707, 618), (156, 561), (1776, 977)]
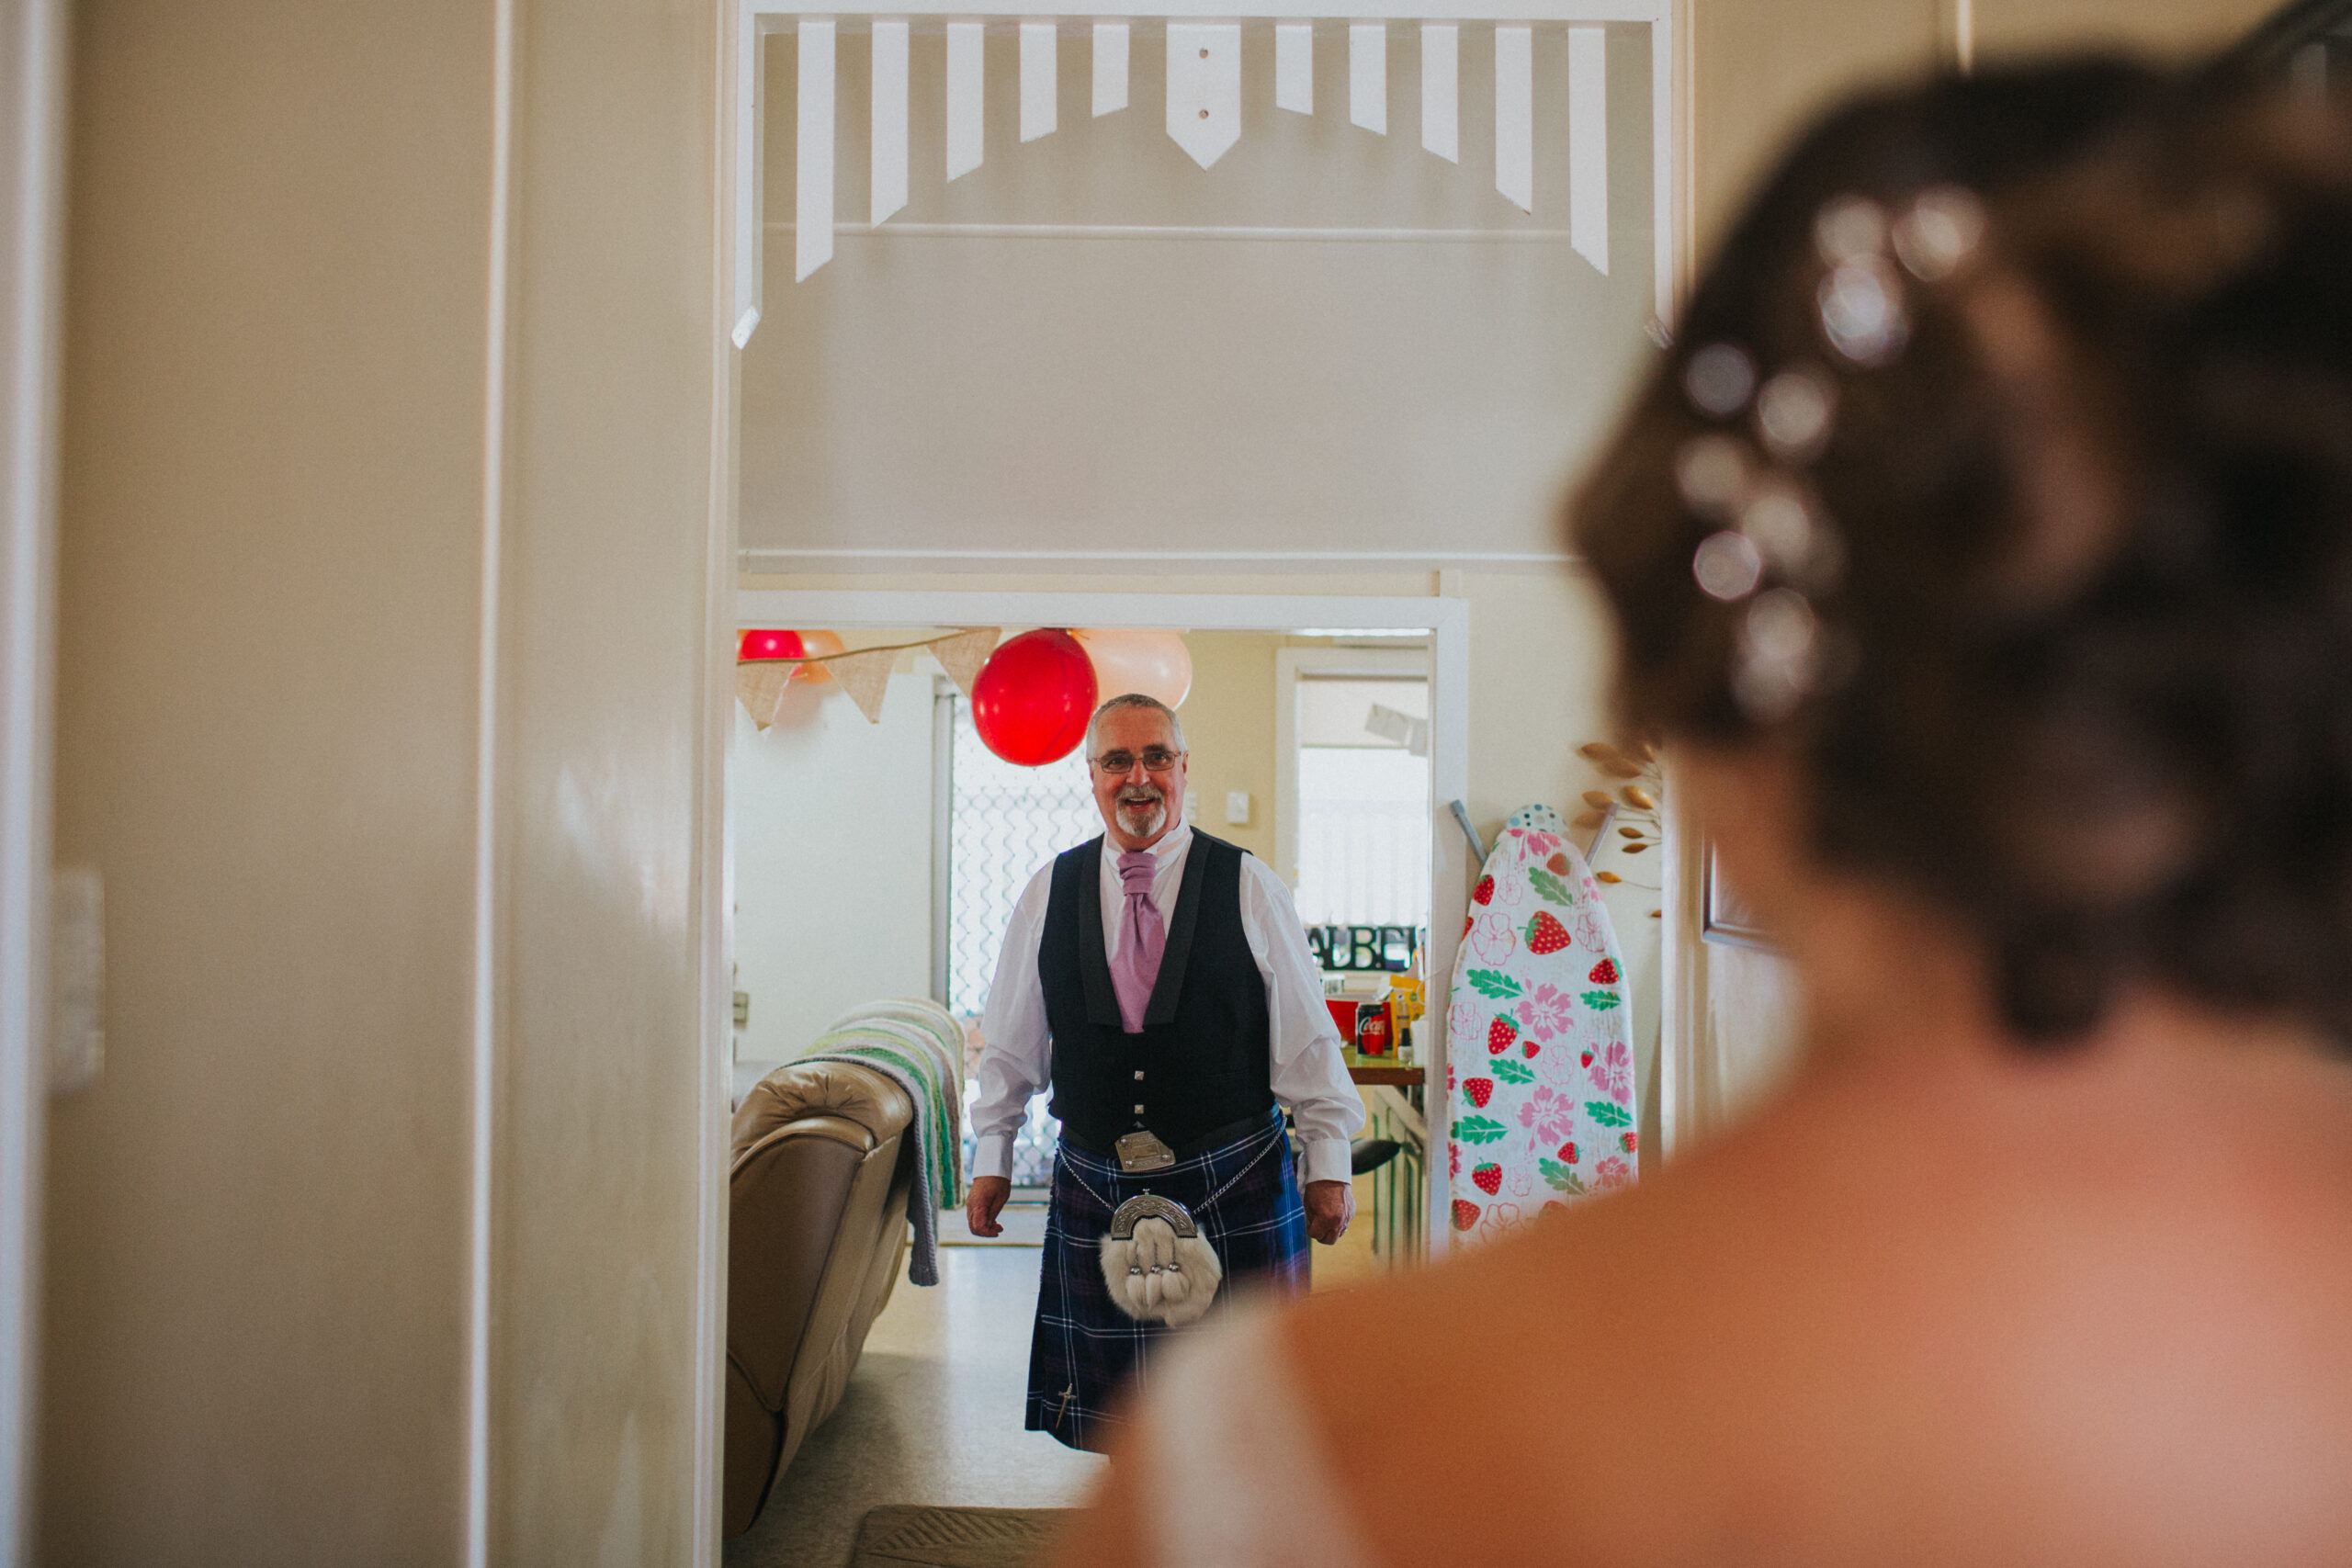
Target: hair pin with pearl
[(1768, 526)]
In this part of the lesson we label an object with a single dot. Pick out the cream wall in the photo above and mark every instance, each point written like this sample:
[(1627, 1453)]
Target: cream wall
[(1759, 69), (256, 1278), (2009, 27), (280, 465), (1229, 728)]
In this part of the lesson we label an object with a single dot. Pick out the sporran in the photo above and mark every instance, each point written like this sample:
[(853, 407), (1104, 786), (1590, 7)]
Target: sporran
[(1158, 1267)]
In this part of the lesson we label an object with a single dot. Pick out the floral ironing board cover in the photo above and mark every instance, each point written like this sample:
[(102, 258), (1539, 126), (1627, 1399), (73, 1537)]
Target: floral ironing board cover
[(1540, 1061)]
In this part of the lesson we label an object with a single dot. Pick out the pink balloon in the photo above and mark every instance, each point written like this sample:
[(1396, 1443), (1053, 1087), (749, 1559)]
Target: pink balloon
[(1156, 663), (818, 645)]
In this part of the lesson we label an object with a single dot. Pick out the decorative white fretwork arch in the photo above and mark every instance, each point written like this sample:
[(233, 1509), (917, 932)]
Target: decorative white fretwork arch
[(1204, 100)]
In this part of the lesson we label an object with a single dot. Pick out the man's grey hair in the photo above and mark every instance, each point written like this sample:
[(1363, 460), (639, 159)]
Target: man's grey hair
[(1134, 700)]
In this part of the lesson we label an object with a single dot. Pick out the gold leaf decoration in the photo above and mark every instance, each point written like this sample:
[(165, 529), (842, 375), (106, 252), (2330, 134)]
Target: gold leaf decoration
[(1635, 849), (1606, 876), (1589, 819), (1629, 832), (1636, 796), (1598, 799)]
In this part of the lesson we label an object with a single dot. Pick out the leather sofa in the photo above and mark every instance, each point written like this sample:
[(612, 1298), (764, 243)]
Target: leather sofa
[(823, 1158)]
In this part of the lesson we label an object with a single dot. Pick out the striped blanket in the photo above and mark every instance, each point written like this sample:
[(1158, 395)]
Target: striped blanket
[(919, 1046)]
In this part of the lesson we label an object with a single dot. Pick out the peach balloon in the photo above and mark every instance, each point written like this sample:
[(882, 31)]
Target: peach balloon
[(815, 645), (1156, 663)]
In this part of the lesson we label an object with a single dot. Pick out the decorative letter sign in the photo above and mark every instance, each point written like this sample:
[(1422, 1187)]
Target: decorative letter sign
[(1205, 88), (965, 83), (814, 191)]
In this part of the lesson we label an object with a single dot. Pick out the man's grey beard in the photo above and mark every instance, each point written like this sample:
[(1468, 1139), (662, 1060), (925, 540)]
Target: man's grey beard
[(1130, 812)]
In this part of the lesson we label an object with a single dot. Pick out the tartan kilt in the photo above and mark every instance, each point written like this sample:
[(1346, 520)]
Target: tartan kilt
[(1085, 1349)]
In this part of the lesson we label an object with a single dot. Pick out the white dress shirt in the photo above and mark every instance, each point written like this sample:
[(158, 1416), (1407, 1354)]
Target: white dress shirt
[(1309, 1074)]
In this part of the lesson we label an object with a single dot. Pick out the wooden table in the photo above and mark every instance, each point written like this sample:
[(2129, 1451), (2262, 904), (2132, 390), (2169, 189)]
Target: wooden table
[(1380, 1070)]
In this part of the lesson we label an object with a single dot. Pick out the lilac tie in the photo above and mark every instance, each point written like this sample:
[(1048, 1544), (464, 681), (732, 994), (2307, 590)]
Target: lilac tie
[(1142, 938)]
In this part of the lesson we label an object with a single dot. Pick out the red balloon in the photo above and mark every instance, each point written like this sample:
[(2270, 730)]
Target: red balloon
[(1033, 698), (767, 642)]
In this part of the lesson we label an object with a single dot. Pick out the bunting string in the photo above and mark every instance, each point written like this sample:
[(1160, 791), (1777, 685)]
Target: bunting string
[(864, 672)]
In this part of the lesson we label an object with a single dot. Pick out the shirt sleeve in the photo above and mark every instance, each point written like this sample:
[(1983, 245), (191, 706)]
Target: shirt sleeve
[(1309, 1073), (1016, 1060)]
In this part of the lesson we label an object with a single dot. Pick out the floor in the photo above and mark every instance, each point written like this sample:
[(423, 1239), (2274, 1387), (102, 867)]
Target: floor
[(931, 1415)]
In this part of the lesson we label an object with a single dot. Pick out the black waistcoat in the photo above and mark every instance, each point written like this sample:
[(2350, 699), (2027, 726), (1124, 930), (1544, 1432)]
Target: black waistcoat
[(1202, 1060)]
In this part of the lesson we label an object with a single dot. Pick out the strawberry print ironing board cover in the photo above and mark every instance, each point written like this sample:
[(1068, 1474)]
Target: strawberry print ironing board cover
[(1540, 1062)]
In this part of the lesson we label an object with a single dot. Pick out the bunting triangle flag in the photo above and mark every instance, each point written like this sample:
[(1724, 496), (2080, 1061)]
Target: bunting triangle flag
[(1205, 88), (864, 673), (865, 676), (963, 654), (760, 688)]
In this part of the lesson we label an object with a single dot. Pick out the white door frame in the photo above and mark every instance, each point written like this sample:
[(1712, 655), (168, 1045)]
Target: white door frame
[(33, 58), (1447, 621), (34, 74)]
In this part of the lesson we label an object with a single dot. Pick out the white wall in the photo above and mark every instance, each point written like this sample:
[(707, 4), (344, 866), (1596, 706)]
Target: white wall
[(832, 862)]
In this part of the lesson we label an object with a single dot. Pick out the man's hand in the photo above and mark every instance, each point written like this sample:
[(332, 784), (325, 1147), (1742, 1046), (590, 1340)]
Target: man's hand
[(982, 1200), (1330, 1206)]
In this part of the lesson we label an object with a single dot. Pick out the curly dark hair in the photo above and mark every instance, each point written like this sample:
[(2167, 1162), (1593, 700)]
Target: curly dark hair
[(2045, 584)]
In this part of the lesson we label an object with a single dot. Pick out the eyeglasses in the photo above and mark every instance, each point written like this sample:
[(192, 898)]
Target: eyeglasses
[(1155, 760)]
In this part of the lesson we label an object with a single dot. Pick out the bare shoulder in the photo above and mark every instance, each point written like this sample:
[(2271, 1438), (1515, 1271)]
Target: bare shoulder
[(2026, 1310)]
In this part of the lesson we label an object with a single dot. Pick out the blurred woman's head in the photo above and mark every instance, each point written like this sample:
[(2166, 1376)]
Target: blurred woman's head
[(1997, 497)]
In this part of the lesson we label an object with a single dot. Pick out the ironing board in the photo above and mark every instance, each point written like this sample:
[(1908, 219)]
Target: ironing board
[(1540, 1074)]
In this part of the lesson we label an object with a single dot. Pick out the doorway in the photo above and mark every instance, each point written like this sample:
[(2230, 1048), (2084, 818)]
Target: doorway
[(954, 930), (878, 850)]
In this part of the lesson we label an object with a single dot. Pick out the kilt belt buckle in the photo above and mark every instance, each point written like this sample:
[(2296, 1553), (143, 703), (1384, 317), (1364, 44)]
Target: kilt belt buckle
[(1141, 1150)]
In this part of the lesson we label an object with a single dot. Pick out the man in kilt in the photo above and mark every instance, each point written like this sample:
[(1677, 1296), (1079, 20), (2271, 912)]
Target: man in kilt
[(1159, 979)]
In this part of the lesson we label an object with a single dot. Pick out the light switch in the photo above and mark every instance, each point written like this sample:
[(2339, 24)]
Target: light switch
[(1236, 807), (76, 978)]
